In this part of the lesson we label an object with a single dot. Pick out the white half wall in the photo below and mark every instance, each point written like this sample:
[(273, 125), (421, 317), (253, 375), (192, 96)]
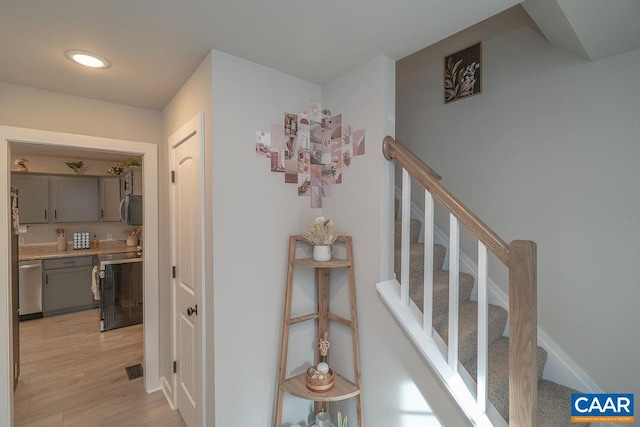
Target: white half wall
[(399, 389), (548, 152)]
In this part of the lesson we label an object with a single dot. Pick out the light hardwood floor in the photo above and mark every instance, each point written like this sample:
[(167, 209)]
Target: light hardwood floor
[(73, 375)]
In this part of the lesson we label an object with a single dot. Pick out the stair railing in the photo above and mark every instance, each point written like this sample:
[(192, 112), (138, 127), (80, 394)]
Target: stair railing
[(519, 257)]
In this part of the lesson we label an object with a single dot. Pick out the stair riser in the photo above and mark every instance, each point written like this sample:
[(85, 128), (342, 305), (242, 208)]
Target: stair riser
[(416, 259), (467, 328), (414, 232), (441, 291)]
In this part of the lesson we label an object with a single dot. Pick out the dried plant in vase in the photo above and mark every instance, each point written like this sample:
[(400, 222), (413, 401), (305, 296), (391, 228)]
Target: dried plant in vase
[(321, 234)]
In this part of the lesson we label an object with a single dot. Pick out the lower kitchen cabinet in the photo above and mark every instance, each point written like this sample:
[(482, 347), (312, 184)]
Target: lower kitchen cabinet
[(67, 285)]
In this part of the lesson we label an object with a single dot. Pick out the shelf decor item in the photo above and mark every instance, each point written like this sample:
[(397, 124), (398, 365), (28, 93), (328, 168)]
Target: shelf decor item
[(22, 165), (116, 169), (342, 422), (322, 419), (319, 381), (76, 166), (322, 235)]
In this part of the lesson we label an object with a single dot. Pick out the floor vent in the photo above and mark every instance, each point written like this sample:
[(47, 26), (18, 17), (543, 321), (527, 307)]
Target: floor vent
[(134, 372)]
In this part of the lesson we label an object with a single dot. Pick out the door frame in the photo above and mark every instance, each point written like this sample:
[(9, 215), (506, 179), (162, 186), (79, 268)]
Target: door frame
[(195, 126), (149, 152)]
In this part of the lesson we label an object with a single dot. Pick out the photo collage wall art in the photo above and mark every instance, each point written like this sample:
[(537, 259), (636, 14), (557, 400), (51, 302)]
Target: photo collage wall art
[(312, 148)]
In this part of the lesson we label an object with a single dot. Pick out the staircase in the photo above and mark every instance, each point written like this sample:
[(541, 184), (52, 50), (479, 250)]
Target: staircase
[(554, 400)]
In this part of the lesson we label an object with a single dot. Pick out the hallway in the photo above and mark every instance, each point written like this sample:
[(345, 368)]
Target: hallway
[(74, 375)]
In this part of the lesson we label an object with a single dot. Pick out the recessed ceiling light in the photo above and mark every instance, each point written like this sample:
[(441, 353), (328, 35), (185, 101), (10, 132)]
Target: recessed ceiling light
[(87, 59)]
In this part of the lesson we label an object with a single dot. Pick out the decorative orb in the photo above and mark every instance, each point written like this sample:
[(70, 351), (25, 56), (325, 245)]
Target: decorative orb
[(323, 367)]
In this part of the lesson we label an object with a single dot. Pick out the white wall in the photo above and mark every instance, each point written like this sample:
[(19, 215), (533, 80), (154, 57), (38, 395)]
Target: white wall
[(41, 109), (397, 384), (194, 96), (548, 152), (254, 213)]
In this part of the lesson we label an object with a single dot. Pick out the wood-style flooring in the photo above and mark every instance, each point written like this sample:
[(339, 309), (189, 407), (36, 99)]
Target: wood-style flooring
[(74, 375)]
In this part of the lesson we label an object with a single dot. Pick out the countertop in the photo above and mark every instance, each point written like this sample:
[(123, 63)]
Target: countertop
[(49, 250)]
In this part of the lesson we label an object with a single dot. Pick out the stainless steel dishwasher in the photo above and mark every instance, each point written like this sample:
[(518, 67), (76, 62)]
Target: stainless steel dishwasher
[(30, 282)]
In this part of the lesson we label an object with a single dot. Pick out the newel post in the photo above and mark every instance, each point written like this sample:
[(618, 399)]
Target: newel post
[(523, 334)]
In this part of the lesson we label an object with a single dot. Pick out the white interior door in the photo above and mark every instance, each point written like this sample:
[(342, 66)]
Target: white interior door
[(187, 207)]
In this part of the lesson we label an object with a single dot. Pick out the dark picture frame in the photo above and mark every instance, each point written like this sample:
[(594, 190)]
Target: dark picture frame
[(463, 73)]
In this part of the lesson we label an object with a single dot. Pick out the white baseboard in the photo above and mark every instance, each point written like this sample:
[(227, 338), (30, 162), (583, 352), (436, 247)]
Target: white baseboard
[(559, 367)]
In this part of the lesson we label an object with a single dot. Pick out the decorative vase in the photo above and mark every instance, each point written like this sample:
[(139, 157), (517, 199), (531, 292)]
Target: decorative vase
[(322, 252), (322, 419)]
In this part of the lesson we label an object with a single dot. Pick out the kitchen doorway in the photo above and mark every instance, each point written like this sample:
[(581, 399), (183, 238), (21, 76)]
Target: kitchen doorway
[(151, 323)]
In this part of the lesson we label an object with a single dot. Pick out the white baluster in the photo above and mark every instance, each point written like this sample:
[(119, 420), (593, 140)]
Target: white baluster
[(427, 302), (483, 328), (404, 257), (454, 277)]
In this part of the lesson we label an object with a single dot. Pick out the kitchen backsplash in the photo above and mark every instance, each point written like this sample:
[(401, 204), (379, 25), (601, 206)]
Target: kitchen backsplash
[(46, 233)]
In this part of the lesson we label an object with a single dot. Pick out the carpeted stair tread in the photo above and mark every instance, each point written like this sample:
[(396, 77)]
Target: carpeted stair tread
[(440, 290), (416, 259), (498, 371), (554, 405), (414, 231), (467, 327)]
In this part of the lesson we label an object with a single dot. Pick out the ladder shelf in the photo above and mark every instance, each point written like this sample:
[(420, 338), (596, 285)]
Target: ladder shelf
[(295, 385)]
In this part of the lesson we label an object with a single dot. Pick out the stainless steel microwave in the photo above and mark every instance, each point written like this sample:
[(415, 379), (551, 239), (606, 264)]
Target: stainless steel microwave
[(131, 209)]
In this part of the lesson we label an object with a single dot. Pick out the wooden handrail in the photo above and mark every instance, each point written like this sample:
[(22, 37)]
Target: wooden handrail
[(521, 260), (393, 149)]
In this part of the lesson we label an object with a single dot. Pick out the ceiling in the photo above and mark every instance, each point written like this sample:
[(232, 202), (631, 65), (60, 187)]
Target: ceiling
[(155, 45), (593, 29)]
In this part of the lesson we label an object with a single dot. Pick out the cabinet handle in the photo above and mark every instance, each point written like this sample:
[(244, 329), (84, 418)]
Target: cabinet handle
[(101, 213), (55, 213), (45, 214)]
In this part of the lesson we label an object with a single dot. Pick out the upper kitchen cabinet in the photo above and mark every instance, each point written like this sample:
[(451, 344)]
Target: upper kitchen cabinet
[(110, 199), (33, 198), (131, 181), (74, 199)]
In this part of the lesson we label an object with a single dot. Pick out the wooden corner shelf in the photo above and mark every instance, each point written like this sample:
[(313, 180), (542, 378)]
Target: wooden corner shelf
[(333, 263), (296, 385), (342, 389)]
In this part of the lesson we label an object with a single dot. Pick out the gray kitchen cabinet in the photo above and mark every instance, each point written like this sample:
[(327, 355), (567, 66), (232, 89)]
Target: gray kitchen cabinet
[(67, 285), (33, 198), (110, 199), (74, 199), (131, 181)]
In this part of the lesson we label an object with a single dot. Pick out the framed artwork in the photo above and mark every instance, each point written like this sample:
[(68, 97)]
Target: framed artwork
[(462, 73)]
